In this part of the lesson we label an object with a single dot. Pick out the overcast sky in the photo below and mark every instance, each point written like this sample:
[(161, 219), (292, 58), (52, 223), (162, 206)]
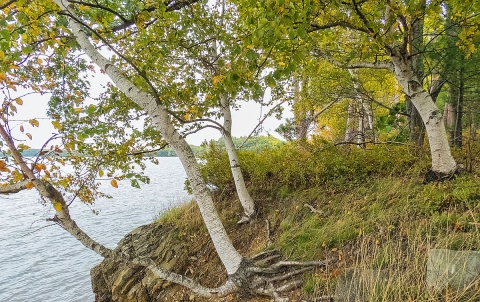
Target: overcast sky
[(35, 106)]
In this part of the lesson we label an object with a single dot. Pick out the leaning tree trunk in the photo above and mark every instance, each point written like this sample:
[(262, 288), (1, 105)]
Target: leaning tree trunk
[(442, 160), (157, 111), (256, 275), (245, 199)]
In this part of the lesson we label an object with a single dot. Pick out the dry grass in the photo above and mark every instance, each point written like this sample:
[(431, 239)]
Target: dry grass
[(384, 225)]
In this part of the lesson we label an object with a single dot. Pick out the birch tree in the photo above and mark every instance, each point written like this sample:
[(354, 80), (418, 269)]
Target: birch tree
[(84, 26), (369, 34)]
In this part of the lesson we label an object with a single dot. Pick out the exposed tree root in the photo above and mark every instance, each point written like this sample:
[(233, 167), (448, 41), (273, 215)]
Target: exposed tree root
[(261, 275), (432, 176), (264, 275)]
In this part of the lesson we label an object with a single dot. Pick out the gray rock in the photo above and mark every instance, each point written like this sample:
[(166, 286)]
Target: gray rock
[(357, 285), (456, 269)]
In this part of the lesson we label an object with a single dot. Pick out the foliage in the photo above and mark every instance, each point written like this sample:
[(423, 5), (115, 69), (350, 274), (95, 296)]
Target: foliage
[(254, 144), (387, 220), (297, 165)]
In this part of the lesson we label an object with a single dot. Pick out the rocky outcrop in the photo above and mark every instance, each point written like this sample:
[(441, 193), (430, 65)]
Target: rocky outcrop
[(113, 281)]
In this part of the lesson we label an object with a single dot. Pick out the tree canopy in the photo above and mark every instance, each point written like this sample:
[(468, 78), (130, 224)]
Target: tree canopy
[(348, 68)]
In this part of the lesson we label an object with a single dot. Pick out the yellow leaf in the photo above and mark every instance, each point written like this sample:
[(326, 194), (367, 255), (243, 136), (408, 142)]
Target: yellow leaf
[(40, 167), (63, 182), (19, 101), (17, 176), (250, 46), (2, 55), (56, 125), (57, 206), (100, 173), (78, 110), (29, 185), (114, 183), (33, 122)]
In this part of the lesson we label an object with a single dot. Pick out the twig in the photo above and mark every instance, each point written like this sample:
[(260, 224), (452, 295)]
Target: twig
[(288, 275), (320, 212), (269, 113)]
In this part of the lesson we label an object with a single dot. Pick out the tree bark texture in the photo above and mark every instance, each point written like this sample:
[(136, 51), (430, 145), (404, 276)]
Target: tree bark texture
[(228, 254), (245, 199), (442, 160)]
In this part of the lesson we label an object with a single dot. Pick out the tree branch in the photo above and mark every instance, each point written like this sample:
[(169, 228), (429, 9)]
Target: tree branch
[(362, 17), (47, 190), (171, 6), (102, 7), (7, 4), (269, 113), (13, 188), (315, 27), (373, 65)]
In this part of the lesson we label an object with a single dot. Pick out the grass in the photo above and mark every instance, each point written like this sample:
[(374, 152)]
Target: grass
[(378, 222), (387, 225)]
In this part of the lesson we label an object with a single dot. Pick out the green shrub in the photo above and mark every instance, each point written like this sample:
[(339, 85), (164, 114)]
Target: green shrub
[(297, 165)]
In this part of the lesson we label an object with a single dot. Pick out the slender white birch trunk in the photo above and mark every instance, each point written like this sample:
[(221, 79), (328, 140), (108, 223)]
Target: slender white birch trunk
[(442, 159), (245, 199), (224, 247), (349, 132)]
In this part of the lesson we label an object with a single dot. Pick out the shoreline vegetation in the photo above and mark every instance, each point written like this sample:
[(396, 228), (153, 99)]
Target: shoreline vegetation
[(252, 144), (367, 208)]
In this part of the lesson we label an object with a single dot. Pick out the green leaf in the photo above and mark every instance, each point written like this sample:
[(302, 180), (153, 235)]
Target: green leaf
[(135, 183), (27, 50), (5, 34), (301, 32), (277, 74)]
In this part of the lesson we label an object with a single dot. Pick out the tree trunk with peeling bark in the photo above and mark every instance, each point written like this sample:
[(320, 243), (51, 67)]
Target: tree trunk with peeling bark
[(262, 274), (159, 115), (443, 163), (245, 199)]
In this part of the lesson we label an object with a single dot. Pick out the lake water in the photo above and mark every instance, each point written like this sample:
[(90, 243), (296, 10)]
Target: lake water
[(44, 263)]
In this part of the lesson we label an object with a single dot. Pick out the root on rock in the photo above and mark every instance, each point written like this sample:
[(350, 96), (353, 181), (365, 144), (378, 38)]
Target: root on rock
[(264, 275)]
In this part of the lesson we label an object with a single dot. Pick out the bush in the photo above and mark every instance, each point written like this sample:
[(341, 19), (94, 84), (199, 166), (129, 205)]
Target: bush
[(297, 165)]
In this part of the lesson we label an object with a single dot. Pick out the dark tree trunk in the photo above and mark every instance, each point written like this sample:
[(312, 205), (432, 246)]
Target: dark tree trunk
[(416, 126)]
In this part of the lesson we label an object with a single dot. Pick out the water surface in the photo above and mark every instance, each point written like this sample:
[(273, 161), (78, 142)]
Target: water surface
[(41, 262)]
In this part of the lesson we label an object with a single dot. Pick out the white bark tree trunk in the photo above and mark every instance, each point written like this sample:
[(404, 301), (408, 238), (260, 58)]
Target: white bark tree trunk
[(349, 132), (442, 159), (224, 247), (245, 199)]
